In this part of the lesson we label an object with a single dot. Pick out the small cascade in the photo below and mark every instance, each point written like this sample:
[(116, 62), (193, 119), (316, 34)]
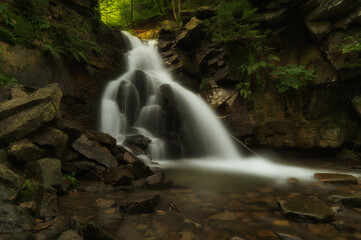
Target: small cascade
[(146, 101)]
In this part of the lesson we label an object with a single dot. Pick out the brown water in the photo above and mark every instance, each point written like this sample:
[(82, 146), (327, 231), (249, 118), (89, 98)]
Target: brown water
[(226, 206)]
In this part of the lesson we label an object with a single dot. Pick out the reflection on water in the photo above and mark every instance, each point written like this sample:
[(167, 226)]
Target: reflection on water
[(225, 203)]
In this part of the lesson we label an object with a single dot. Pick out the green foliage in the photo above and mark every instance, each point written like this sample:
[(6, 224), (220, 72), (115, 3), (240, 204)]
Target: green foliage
[(70, 177), (49, 50), (6, 36), (6, 80), (28, 191), (203, 83), (353, 44), (292, 77), (233, 22)]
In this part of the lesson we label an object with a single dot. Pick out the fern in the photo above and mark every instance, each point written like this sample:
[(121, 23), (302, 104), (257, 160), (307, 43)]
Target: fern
[(6, 80), (292, 77)]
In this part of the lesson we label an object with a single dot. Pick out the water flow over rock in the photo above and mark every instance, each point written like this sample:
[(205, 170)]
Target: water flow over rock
[(145, 100)]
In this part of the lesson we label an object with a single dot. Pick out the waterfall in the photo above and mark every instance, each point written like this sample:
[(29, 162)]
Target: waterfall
[(146, 101), (176, 123)]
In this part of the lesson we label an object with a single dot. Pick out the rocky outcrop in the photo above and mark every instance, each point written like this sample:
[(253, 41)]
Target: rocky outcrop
[(50, 155), (81, 81), (313, 34)]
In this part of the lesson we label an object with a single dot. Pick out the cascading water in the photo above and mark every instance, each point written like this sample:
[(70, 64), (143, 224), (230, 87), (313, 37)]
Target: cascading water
[(146, 101), (137, 103)]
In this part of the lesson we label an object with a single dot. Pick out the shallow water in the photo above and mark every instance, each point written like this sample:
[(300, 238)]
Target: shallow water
[(226, 205)]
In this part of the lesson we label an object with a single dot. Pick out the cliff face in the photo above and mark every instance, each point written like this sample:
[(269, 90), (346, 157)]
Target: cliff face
[(314, 34), (64, 42)]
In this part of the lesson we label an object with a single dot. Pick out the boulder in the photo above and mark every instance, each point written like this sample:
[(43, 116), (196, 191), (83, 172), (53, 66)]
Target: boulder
[(9, 184), (47, 171), (305, 209), (191, 35), (21, 124), (141, 206), (138, 140), (24, 151), (336, 178), (117, 175), (356, 102), (157, 180), (346, 198), (30, 206), (53, 139), (14, 219), (319, 29), (94, 151), (102, 138), (4, 159), (72, 129), (49, 94), (330, 9), (94, 231), (70, 234), (44, 196)]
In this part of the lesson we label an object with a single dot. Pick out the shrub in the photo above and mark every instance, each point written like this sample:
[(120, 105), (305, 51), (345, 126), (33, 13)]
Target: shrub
[(6, 36)]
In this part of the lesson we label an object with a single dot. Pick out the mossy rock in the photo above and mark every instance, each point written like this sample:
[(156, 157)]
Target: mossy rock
[(29, 191)]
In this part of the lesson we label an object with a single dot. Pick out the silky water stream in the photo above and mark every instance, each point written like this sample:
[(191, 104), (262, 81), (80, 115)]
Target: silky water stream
[(221, 194)]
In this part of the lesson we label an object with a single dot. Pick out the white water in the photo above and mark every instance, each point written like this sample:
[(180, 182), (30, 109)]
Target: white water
[(205, 130)]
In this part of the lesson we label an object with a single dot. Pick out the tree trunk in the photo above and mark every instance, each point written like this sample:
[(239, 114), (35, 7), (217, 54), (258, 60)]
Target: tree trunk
[(174, 10), (179, 8), (131, 12)]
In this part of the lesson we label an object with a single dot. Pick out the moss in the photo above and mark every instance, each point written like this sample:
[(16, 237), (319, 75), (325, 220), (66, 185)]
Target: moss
[(28, 191)]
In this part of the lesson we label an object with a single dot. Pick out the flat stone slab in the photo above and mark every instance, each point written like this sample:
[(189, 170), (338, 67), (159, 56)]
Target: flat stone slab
[(94, 151), (336, 178), (21, 124), (313, 210), (346, 198)]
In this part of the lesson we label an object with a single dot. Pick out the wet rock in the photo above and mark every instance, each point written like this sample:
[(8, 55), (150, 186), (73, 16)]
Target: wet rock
[(75, 224), (24, 151), (65, 186), (346, 198), (21, 124), (93, 231), (141, 206), (47, 171), (41, 226), (305, 209), (117, 175), (267, 234), (139, 169), (284, 236), (49, 94), (103, 203), (336, 178), (192, 34), (138, 140), (93, 151), (157, 180), (102, 138), (53, 139), (343, 226), (70, 234), (224, 216), (14, 219), (30, 206), (9, 184)]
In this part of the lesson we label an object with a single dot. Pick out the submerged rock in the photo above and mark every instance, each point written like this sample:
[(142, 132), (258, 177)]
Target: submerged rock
[(141, 206), (70, 234), (93, 231), (336, 178), (305, 209), (346, 198)]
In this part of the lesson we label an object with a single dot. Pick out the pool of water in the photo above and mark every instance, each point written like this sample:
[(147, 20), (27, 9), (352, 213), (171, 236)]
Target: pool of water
[(218, 203)]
